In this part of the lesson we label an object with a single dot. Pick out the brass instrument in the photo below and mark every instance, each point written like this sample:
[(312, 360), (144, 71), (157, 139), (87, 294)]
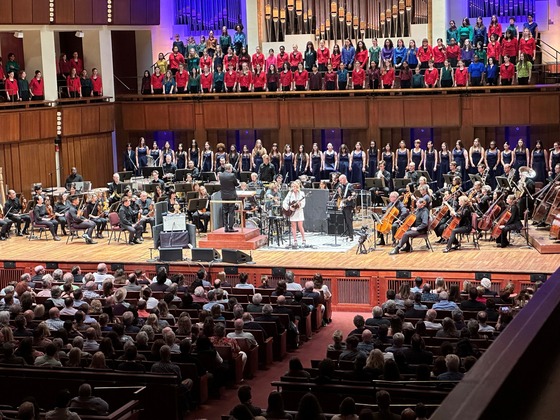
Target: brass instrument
[(520, 187), (485, 175)]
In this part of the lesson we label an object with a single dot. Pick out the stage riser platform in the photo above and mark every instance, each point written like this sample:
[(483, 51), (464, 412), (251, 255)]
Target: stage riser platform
[(357, 291), (540, 240), (246, 238)]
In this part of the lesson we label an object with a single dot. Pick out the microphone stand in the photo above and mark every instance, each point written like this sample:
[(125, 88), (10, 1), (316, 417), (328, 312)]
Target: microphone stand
[(526, 220)]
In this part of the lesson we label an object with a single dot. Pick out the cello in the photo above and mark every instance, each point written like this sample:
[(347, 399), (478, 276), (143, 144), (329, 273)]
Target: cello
[(405, 226), (486, 221), (453, 223), (387, 221), (502, 220), (555, 228)]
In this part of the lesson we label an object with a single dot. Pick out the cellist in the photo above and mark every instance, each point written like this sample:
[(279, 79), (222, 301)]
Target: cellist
[(420, 227), (514, 222), (403, 212), (440, 227), (465, 223)]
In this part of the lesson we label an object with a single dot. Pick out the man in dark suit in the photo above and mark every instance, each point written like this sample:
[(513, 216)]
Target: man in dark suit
[(346, 193), (78, 221), (127, 221), (228, 182)]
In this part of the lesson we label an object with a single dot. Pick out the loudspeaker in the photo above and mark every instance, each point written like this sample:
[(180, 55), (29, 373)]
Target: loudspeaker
[(352, 273), (335, 224), (116, 266), (205, 254), (235, 256), (231, 269), (401, 274), (538, 277), (9, 264), (480, 276), (171, 254), (278, 272), (52, 265)]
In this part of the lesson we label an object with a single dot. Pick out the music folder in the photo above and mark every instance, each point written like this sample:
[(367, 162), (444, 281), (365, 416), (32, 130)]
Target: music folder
[(198, 204), (504, 183), (401, 183), (375, 183)]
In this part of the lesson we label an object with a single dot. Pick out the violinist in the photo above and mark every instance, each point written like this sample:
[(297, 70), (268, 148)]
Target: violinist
[(128, 221), (77, 221), (409, 198), (386, 176), (145, 207), (403, 212), (13, 210), (456, 185), (454, 169), (54, 215), (42, 217), (514, 222), (96, 214), (465, 223), (5, 226), (475, 192), (425, 194), (482, 172), (173, 203), (420, 227), (61, 206), (201, 217)]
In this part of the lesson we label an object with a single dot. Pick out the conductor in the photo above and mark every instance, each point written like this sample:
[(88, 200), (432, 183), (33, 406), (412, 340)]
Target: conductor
[(228, 182)]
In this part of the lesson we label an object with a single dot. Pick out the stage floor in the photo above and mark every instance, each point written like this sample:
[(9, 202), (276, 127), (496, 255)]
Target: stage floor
[(513, 259)]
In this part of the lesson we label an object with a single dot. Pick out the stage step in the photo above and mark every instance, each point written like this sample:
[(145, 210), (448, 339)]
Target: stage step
[(249, 238), (541, 241)]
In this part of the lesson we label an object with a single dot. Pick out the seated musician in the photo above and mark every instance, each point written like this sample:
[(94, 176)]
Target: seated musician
[(221, 165), (58, 216), (456, 185), (114, 195), (13, 210), (255, 182), (272, 200), (554, 174), (267, 171), (61, 206), (382, 173), (424, 181), (42, 217), (465, 224), (144, 206), (425, 194), (323, 185), (157, 180), (484, 199), (77, 221), (173, 204), (160, 195), (412, 174), (525, 190), (194, 171), (169, 168), (334, 180), (403, 212), (5, 226), (201, 217), (96, 214), (482, 172), (250, 203), (454, 169), (514, 222), (453, 203), (510, 173), (128, 221), (38, 191), (420, 227)]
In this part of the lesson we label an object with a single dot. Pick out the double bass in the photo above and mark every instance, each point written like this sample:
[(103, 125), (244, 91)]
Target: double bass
[(486, 221)]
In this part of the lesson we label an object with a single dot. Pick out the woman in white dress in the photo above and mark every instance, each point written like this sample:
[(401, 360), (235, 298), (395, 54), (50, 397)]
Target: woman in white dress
[(295, 201)]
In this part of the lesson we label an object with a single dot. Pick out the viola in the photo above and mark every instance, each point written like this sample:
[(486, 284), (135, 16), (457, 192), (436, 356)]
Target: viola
[(502, 220), (405, 226)]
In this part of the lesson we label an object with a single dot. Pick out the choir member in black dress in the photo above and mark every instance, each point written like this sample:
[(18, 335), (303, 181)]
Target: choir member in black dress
[(514, 222), (14, 211), (465, 223), (77, 221), (128, 221)]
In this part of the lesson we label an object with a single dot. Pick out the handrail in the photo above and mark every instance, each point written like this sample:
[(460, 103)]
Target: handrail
[(549, 46)]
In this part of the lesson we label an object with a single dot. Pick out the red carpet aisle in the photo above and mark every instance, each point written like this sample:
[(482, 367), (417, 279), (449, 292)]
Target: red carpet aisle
[(316, 348)]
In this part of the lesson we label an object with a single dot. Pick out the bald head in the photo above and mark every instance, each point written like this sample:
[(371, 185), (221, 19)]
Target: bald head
[(238, 325), (367, 336)]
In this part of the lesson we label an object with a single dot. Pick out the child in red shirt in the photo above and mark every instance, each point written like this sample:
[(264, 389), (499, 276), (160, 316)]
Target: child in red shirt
[(461, 75)]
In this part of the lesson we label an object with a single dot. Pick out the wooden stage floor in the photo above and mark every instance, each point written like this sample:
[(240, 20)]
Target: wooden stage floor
[(513, 259)]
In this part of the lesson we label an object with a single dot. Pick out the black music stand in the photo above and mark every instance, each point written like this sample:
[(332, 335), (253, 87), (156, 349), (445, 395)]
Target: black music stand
[(151, 187), (448, 179), (183, 187), (126, 175), (504, 183), (474, 178), (426, 175), (147, 171), (401, 183), (181, 174), (208, 177)]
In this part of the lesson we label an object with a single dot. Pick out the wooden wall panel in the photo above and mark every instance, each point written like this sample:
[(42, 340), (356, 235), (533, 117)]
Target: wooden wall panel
[(106, 118), (90, 119), (29, 126), (544, 109), (181, 116), (300, 114), (446, 112), (238, 116), (153, 10), (22, 12), (327, 114), (41, 12), (10, 44), (266, 115), (71, 121), (6, 15), (10, 128), (390, 113), (48, 124), (133, 117), (353, 114), (416, 113), (121, 12), (157, 118), (213, 115), (485, 110), (138, 12), (99, 13), (511, 110), (83, 11), (64, 12)]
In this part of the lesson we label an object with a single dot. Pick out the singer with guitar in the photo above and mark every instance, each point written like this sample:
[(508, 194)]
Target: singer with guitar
[(293, 206), (347, 202)]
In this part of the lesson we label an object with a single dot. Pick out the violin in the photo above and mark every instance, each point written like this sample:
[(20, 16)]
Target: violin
[(50, 212)]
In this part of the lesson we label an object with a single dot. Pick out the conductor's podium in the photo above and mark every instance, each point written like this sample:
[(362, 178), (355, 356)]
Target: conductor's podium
[(246, 238)]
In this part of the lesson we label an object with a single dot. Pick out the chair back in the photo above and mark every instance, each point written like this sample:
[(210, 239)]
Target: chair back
[(114, 219), (474, 221), (32, 216)]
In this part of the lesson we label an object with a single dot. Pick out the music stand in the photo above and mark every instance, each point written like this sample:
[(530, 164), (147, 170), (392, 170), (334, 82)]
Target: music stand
[(212, 188), (401, 183), (208, 176), (448, 179), (504, 183), (191, 195), (147, 171), (122, 187), (126, 175), (197, 204), (183, 187), (181, 174), (151, 187), (378, 183), (245, 176)]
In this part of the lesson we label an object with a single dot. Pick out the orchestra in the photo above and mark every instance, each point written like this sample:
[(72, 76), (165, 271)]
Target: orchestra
[(413, 194)]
